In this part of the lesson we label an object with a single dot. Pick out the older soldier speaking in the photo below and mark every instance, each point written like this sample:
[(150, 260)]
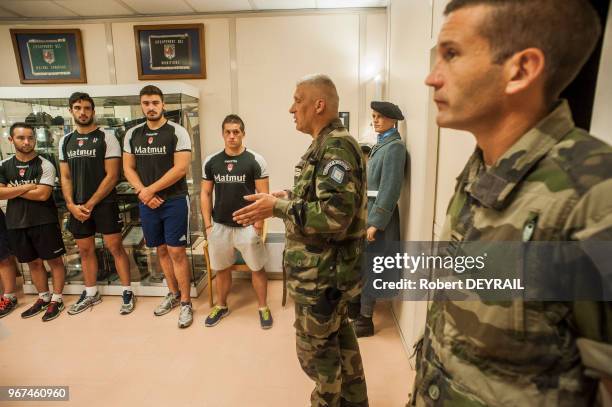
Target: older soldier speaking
[(534, 176), (324, 217)]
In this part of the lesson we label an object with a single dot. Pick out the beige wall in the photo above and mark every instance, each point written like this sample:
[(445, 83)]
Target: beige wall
[(252, 64), (409, 54), (601, 124), (437, 156)]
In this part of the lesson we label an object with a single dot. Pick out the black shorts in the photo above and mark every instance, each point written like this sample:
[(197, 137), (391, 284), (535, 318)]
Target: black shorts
[(105, 218), (4, 244), (37, 242)]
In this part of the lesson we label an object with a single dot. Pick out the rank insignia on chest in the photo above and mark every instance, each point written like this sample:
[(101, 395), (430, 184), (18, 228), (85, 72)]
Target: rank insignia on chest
[(337, 174), (230, 167), (22, 172), (150, 140)]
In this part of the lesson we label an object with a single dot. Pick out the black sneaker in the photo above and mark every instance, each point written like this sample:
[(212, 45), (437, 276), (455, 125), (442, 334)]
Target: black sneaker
[(265, 318), (39, 306), (53, 310), (7, 305), (363, 326), (215, 315)]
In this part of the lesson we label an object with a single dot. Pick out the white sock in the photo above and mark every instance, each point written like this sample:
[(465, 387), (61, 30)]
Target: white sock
[(57, 297), (10, 296), (91, 291), (126, 288), (263, 308), (46, 296)]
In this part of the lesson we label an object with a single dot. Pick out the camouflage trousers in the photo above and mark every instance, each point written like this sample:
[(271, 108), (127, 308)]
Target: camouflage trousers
[(329, 354)]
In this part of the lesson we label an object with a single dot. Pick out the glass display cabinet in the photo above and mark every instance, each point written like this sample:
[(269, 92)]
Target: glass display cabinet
[(117, 109)]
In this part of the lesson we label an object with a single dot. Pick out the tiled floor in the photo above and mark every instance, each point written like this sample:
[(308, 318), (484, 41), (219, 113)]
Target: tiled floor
[(142, 360)]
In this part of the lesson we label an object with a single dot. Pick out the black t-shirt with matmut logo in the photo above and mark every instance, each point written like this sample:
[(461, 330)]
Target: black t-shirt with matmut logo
[(24, 213), (85, 155), (154, 151), (233, 177)]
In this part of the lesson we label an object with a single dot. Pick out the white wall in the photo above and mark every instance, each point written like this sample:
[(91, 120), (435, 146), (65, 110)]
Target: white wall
[(409, 54), (601, 122), (252, 64)]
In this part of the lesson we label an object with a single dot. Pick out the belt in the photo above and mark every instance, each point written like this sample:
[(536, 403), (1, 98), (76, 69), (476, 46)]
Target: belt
[(372, 194)]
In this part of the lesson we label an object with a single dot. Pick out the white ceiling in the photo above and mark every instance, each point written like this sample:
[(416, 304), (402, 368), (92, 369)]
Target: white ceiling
[(19, 9)]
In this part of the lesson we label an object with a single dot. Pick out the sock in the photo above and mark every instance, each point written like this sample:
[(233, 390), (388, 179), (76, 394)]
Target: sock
[(185, 303), (91, 291), (127, 288), (46, 296), (10, 296), (57, 297), (222, 306), (264, 308)]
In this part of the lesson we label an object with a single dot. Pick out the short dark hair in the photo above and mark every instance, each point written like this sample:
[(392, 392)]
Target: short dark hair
[(152, 90), (20, 125), (233, 118), (514, 25), (76, 96)]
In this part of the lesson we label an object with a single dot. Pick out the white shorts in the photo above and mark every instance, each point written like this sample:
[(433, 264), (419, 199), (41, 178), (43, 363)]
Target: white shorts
[(225, 240)]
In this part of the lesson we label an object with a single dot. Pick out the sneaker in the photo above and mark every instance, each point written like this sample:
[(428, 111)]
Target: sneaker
[(265, 318), (53, 310), (215, 315), (186, 316), (129, 301), (170, 301), (363, 326), (35, 309), (84, 302), (7, 305)]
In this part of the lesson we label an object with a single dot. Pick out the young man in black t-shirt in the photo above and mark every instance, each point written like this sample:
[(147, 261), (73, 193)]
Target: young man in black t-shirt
[(156, 156), (34, 235), (90, 163), (232, 173)]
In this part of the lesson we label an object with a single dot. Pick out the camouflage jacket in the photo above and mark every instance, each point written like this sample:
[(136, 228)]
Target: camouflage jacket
[(556, 183), (325, 217)]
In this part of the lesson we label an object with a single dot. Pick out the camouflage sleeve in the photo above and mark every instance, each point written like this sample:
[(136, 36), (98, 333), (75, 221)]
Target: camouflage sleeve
[(390, 186), (338, 186), (591, 223)]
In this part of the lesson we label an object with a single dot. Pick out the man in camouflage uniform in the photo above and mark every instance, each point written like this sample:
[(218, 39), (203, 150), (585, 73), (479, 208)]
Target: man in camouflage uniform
[(324, 217), (533, 177)]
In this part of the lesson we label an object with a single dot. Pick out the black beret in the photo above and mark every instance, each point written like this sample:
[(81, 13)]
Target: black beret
[(387, 109)]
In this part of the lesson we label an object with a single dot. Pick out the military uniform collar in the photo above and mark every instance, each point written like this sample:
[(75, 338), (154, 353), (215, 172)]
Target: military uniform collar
[(323, 135), (493, 188), (387, 140), (327, 130)]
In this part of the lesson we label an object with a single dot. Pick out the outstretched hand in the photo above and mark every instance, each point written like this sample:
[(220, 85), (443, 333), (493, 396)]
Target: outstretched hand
[(260, 209)]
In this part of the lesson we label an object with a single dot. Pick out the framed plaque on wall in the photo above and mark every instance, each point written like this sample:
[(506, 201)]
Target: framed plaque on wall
[(173, 51), (49, 56)]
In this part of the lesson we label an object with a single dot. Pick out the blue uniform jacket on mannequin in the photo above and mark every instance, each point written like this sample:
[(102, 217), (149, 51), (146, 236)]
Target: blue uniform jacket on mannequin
[(385, 179)]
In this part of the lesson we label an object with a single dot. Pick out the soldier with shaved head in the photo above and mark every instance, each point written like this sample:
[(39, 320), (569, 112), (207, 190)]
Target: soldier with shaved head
[(324, 217), (534, 177)]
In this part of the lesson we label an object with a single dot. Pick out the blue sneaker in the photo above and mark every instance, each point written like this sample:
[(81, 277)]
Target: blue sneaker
[(265, 318), (215, 315)]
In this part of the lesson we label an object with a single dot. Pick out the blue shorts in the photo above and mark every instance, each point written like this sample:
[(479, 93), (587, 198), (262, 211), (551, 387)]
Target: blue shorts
[(168, 224), (4, 245)]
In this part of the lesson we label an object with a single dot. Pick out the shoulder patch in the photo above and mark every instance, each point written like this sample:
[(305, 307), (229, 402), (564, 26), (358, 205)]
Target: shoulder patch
[(339, 163), (337, 174)]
